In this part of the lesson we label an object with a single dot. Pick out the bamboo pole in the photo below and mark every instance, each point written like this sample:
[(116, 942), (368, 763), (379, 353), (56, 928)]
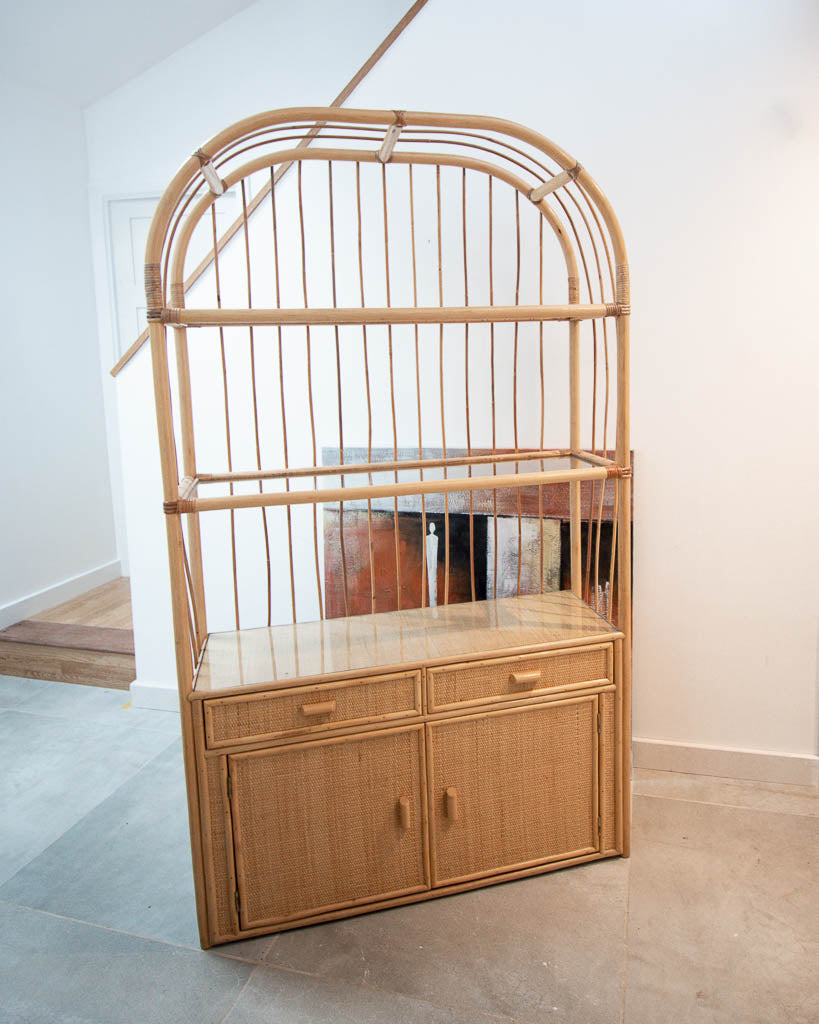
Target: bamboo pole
[(624, 542), (574, 436), (389, 490), (189, 469), (523, 455), (179, 607), (373, 315)]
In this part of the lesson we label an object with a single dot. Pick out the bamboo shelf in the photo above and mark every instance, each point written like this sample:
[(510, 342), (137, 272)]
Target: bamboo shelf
[(394, 438)]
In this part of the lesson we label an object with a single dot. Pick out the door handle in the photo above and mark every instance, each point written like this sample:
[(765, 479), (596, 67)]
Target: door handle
[(451, 802), (326, 707), (528, 680), (404, 812)]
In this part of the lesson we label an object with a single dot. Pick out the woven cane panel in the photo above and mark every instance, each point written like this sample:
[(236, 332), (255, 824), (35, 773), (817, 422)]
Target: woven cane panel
[(232, 719), (217, 855), (318, 824), (471, 682), (525, 787), (608, 805)]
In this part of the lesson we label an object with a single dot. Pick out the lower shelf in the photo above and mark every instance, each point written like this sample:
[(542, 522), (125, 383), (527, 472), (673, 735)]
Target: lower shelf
[(267, 657)]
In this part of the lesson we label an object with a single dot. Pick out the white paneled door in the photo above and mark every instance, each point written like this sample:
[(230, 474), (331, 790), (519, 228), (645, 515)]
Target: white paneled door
[(129, 218)]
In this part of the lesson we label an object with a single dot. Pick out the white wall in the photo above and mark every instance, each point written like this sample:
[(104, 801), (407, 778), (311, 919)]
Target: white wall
[(267, 56), (700, 122), (55, 517)]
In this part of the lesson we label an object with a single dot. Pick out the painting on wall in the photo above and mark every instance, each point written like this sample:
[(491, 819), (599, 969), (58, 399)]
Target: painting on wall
[(499, 548)]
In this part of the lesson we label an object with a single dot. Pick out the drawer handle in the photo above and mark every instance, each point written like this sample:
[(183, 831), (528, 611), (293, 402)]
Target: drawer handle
[(524, 679), (404, 812), (451, 799), (326, 707)]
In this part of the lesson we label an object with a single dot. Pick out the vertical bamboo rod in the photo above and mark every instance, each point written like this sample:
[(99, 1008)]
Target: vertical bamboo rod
[(277, 283), (227, 414), (392, 386), (418, 392), (189, 469), (441, 379), (574, 443), (492, 390), (367, 385), (542, 400), (342, 546), (255, 403), (466, 388), (515, 381), (193, 626), (309, 385)]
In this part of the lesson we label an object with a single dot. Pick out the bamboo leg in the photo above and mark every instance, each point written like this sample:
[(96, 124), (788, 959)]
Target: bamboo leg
[(184, 666), (624, 549)]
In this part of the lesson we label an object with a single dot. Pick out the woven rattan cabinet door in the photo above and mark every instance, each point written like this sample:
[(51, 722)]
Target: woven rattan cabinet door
[(328, 824), (512, 789)]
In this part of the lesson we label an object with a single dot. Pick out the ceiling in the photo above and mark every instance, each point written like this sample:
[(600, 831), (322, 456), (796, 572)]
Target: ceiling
[(84, 49)]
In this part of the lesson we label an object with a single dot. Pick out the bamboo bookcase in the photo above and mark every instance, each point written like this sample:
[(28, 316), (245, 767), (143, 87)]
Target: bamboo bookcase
[(444, 293)]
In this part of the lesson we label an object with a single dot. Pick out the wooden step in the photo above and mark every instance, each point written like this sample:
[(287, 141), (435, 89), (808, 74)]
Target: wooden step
[(69, 653)]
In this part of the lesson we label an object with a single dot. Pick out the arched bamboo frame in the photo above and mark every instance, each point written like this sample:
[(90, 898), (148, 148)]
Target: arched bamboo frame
[(573, 203)]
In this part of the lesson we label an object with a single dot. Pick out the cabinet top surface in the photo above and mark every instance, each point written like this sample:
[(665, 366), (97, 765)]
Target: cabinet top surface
[(280, 655)]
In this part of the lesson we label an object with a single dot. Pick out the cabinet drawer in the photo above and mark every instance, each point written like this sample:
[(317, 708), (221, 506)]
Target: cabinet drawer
[(309, 709), (480, 682)]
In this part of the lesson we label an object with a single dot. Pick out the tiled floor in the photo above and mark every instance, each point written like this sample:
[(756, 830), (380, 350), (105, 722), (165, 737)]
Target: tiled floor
[(713, 920)]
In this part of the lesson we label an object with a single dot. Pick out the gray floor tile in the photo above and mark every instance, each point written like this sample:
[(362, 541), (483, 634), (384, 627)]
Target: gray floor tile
[(762, 796), (126, 864), (283, 997), (89, 703), (548, 947), (15, 689), (55, 770), (54, 971), (723, 916)]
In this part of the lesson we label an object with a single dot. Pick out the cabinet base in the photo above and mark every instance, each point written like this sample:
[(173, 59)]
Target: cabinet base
[(416, 897)]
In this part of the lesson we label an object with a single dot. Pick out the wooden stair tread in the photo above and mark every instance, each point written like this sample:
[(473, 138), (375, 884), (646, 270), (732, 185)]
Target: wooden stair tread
[(71, 636)]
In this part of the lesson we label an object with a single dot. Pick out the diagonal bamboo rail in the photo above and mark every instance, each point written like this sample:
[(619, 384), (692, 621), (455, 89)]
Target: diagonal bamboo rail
[(264, 192)]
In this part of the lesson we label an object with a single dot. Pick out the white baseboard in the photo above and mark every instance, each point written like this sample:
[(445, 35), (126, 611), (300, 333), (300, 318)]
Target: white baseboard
[(42, 600), (726, 762), (154, 696)]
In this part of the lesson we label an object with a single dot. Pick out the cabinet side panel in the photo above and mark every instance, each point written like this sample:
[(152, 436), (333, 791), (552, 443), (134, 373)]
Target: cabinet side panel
[(608, 799)]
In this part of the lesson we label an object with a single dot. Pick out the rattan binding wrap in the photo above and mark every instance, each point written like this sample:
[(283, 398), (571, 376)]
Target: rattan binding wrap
[(526, 787), (317, 825), (480, 680), (258, 716)]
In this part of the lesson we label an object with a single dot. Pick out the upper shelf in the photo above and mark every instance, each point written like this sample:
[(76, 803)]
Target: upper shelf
[(311, 485)]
